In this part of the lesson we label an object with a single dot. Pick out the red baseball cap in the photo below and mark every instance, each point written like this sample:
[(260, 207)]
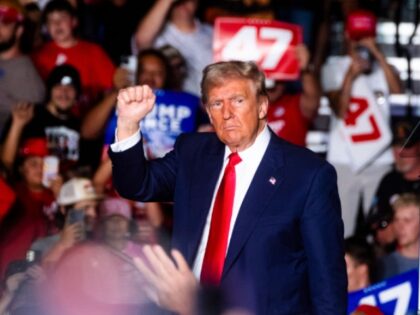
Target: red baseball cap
[(34, 146), (361, 24), (10, 14)]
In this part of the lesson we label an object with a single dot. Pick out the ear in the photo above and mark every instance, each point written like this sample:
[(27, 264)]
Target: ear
[(263, 107)]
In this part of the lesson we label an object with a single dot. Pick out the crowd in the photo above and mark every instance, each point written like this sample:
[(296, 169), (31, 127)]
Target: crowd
[(64, 229)]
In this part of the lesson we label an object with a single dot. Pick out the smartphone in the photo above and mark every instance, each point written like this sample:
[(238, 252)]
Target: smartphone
[(50, 169), (77, 216), (130, 64), (365, 55)]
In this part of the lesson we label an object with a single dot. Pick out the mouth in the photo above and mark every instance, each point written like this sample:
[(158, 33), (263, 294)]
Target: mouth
[(230, 128)]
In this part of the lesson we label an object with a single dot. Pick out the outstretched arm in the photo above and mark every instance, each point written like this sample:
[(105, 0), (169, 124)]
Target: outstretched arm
[(152, 23), (311, 93)]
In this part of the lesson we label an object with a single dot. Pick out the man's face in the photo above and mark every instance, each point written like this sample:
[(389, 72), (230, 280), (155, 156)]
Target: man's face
[(236, 113), (407, 225), (60, 26), (63, 97), (409, 161), (89, 207), (152, 72), (7, 35)]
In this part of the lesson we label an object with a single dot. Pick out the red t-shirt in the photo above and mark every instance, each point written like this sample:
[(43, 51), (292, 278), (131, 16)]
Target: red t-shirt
[(95, 67), (285, 118)]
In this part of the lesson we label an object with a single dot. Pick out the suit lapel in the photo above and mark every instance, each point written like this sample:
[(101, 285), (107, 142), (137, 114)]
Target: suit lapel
[(265, 182), (206, 174)]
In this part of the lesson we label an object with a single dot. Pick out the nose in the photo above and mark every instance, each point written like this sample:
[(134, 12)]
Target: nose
[(226, 111)]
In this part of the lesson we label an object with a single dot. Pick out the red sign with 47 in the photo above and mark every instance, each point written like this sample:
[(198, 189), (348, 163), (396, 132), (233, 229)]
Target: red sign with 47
[(271, 44)]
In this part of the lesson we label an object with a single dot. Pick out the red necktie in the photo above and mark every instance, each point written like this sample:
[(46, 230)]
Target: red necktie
[(214, 257)]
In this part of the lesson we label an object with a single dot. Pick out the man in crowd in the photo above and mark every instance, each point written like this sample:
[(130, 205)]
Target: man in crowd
[(404, 178), (359, 83), (16, 67), (77, 196), (54, 121), (249, 207), (407, 229), (95, 68), (359, 261), (291, 112)]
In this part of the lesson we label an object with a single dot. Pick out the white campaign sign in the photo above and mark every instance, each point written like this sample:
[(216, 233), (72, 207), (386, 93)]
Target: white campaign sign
[(365, 130)]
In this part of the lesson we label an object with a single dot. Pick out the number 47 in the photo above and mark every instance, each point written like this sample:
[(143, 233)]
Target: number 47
[(244, 45), (401, 293)]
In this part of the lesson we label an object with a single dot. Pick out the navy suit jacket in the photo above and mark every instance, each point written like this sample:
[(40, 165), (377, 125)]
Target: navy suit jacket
[(287, 242)]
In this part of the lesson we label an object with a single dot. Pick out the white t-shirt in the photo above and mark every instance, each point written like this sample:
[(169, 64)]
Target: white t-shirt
[(195, 47), (332, 77)]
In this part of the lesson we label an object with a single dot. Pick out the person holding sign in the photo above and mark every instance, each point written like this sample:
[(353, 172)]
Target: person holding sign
[(290, 114), (249, 206), (357, 86)]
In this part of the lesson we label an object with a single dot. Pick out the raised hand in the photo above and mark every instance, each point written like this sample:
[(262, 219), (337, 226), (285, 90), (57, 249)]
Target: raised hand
[(358, 66), (22, 113), (170, 284), (302, 55), (133, 104)]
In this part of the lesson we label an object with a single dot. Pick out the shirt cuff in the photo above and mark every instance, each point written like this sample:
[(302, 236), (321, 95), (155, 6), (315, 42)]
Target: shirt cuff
[(120, 146)]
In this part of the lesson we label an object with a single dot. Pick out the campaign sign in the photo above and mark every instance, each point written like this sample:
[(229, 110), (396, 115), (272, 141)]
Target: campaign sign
[(174, 113), (365, 129), (394, 296), (271, 44)]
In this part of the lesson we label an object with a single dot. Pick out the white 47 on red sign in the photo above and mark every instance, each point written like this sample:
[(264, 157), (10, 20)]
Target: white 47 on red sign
[(269, 43)]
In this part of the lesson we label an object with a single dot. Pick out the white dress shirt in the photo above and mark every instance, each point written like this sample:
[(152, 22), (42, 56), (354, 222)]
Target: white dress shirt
[(245, 171)]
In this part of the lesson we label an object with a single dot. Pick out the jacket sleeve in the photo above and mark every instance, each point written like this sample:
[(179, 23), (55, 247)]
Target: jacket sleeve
[(322, 233), (136, 178)]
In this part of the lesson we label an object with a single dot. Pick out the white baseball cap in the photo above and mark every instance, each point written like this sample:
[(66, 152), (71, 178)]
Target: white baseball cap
[(76, 190)]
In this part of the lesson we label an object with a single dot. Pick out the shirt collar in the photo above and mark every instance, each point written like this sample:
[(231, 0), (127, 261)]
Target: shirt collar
[(260, 145)]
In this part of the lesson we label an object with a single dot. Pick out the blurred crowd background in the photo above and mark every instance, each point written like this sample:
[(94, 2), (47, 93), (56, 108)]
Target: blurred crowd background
[(61, 66)]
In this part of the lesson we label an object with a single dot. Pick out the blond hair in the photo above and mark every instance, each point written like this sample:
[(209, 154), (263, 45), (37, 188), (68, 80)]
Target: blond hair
[(406, 200)]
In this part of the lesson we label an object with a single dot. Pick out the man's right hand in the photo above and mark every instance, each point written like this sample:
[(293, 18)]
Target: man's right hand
[(133, 104)]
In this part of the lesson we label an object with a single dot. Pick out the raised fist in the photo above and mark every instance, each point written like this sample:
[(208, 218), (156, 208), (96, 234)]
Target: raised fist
[(133, 104)]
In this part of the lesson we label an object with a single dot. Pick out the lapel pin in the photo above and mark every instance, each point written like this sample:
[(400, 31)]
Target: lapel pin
[(272, 180)]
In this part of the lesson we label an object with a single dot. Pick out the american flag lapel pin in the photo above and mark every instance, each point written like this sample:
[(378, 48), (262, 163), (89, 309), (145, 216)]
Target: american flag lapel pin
[(272, 180)]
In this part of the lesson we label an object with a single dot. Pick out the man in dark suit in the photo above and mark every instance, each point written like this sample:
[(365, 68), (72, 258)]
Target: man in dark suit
[(248, 205)]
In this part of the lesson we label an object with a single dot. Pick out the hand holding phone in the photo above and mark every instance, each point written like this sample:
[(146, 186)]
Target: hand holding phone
[(74, 229)]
